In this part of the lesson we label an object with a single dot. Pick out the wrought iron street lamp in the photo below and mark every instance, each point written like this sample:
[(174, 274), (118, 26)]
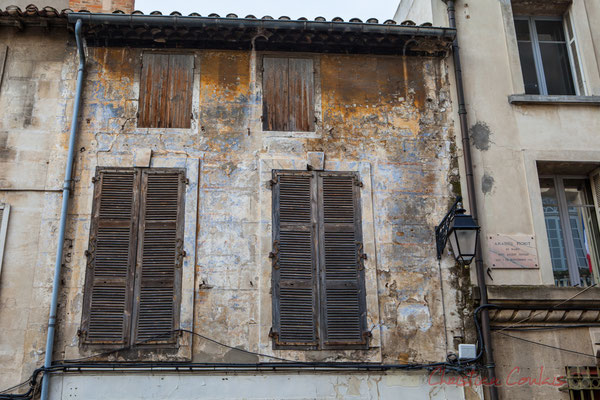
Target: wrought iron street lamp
[(461, 230)]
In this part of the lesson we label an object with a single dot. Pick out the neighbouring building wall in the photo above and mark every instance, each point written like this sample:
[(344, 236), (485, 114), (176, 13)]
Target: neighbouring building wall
[(36, 92)]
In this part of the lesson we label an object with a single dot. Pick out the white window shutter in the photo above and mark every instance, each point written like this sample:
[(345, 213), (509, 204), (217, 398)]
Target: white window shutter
[(574, 55), (4, 211)]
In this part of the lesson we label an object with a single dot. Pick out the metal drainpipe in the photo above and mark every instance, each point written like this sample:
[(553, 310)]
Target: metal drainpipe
[(466, 145), (63, 213)]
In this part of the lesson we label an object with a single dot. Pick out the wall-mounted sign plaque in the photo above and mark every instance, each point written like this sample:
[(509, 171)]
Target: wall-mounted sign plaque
[(512, 251)]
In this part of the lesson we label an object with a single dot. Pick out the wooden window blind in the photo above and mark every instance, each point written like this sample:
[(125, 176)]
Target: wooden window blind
[(133, 281), (318, 276), (288, 94), (166, 91)]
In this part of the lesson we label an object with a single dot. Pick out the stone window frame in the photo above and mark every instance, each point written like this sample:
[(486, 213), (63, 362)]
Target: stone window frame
[(585, 46), (531, 159), (133, 112), (265, 343), (316, 94)]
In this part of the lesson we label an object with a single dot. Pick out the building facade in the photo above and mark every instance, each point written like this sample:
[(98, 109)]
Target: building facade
[(251, 210), (531, 82)]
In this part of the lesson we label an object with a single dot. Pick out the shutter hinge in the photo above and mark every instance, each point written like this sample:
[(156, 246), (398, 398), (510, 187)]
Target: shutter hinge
[(274, 181), (185, 180), (360, 256), (137, 115), (367, 335), (358, 183), (95, 179), (274, 255), (180, 253), (273, 334), (80, 332)]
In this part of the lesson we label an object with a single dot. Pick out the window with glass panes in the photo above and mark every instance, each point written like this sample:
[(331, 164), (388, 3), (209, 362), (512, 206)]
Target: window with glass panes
[(550, 60), (572, 229)]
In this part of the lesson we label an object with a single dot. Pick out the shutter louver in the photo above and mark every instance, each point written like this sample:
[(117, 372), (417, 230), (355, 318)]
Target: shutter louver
[(111, 258), (342, 275), (160, 254), (294, 278)]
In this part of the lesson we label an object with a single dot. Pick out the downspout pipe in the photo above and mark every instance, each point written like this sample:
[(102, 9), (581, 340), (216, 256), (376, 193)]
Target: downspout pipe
[(466, 147), (63, 213)]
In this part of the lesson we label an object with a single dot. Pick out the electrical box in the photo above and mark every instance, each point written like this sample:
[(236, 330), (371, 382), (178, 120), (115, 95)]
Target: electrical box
[(467, 351)]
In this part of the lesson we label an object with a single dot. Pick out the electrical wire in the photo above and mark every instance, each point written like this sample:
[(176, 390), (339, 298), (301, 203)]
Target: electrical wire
[(546, 345), (531, 328)]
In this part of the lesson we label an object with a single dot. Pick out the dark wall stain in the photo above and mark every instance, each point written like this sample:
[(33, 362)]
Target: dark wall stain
[(480, 135), (487, 183)]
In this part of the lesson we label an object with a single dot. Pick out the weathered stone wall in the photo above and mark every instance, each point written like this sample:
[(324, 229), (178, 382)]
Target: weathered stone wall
[(389, 118)]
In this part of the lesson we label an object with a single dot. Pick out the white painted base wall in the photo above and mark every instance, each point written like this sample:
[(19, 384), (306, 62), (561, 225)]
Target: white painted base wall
[(406, 386)]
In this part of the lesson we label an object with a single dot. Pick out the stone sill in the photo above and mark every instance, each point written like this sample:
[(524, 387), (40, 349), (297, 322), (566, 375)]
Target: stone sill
[(535, 99)]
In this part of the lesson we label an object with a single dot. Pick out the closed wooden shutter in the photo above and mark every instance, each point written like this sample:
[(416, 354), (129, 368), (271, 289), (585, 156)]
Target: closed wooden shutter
[(275, 94), (160, 255), (166, 91), (301, 95), (294, 259), (288, 94), (342, 273), (111, 257)]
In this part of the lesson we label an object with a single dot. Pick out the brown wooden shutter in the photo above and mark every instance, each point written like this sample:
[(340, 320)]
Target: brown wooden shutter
[(111, 257), (166, 91), (275, 94), (343, 301), (160, 255), (301, 96), (294, 259), (181, 70)]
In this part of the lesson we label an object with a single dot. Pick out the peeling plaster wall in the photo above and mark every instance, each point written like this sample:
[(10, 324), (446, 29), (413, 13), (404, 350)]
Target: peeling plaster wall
[(35, 98), (387, 117)]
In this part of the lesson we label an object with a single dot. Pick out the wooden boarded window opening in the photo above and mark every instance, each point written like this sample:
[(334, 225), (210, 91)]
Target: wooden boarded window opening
[(288, 94), (318, 281), (166, 91), (133, 281)]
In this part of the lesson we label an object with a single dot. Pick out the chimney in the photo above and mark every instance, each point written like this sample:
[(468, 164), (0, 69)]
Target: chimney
[(102, 6)]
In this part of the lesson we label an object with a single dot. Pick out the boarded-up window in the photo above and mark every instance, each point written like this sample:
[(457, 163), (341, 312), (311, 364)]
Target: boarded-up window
[(288, 94), (134, 259), (318, 276), (166, 91)]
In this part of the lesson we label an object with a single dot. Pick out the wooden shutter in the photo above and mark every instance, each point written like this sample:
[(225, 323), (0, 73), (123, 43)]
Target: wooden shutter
[(343, 300), (166, 91), (275, 94), (160, 255), (301, 88), (4, 211), (111, 256), (294, 259), (288, 94)]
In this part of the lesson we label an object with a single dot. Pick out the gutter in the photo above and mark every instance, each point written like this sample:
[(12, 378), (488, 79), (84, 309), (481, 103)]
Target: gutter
[(177, 21), (63, 214), (466, 145)]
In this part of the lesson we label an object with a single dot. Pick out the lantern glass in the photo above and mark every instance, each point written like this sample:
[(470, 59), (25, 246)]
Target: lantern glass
[(464, 244)]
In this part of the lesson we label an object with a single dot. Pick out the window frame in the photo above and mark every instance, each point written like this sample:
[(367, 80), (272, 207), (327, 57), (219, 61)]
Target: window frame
[(133, 286), (318, 251), (4, 214), (567, 236), (537, 57)]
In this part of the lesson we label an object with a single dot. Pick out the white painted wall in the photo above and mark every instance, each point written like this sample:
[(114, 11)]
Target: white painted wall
[(249, 386)]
